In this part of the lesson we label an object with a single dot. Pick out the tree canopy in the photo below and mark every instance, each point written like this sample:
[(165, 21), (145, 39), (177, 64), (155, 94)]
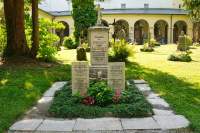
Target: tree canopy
[(194, 8)]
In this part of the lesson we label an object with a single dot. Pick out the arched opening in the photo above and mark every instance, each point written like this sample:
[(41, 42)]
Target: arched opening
[(141, 30), (179, 26), (161, 31), (121, 29), (63, 32), (104, 23), (196, 32)]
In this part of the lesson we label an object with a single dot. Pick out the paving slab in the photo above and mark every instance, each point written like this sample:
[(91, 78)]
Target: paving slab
[(159, 103), (139, 81), (55, 87), (163, 112), (44, 103), (144, 88), (26, 125), (172, 122), (153, 95), (100, 124), (140, 124), (56, 126)]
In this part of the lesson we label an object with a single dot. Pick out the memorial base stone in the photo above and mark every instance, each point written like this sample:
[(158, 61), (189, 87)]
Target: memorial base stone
[(95, 69)]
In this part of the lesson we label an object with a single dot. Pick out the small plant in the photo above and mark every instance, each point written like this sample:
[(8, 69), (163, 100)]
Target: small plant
[(69, 42), (183, 57), (86, 47), (101, 93), (184, 43), (147, 48), (81, 54), (117, 96), (88, 100), (120, 51)]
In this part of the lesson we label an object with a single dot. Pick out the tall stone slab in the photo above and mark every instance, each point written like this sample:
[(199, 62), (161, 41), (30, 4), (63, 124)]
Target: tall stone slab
[(116, 75), (98, 41), (80, 77)]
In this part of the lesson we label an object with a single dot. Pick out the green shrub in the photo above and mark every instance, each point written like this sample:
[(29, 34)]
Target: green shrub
[(66, 105), (102, 93), (147, 48), (196, 44), (69, 42), (48, 40), (2, 38), (154, 43), (184, 43), (86, 47), (183, 57), (81, 54), (120, 51)]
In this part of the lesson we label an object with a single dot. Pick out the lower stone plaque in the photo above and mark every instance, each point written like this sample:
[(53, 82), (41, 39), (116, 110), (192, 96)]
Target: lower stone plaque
[(80, 77), (116, 75)]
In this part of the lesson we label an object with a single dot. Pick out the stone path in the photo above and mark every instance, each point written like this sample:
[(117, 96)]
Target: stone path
[(163, 121)]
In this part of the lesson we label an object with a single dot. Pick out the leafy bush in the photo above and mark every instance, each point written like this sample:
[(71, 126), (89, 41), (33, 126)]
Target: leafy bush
[(81, 54), (86, 47), (147, 48), (120, 51), (48, 48), (2, 37), (196, 44), (69, 42), (101, 93), (183, 57), (184, 43), (154, 43)]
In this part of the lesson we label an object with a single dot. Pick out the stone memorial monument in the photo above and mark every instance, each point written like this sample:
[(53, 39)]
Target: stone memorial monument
[(116, 75), (80, 77), (98, 41)]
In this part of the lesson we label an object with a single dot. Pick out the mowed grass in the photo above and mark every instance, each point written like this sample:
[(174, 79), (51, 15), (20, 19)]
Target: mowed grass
[(21, 87), (177, 82)]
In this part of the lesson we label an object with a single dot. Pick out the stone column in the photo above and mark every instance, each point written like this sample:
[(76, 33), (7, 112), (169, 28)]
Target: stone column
[(131, 33), (151, 30), (168, 35), (190, 32), (111, 31)]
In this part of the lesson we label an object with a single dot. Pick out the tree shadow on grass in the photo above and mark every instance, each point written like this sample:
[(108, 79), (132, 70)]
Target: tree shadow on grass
[(183, 97), (22, 85)]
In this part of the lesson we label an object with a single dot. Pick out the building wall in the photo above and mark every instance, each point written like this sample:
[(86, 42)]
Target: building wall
[(66, 5), (132, 19)]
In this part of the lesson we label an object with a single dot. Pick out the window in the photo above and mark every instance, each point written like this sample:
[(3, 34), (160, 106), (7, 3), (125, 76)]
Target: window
[(123, 5), (146, 5)]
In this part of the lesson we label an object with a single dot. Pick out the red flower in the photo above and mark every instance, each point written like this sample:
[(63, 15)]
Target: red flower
[(88, 101), (116, 97)]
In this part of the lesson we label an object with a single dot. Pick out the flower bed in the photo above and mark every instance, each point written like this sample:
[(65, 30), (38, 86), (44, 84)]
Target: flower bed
[(101, 101)]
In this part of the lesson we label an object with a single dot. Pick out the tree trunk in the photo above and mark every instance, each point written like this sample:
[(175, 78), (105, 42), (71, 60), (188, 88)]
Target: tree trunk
[(35, 33), (16, 39)]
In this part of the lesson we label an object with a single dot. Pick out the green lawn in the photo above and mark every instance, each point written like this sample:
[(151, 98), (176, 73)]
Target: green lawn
[(178, 83)]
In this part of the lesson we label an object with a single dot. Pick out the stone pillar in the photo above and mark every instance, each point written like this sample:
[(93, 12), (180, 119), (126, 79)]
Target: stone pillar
[(80, 77), (190, 32), (151, 30), (111, 31), (98, 42), (169, 35), (131, 33)]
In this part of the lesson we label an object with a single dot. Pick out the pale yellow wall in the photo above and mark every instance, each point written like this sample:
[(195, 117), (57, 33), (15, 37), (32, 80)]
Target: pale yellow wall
[(43, 14), (69, 20), (133, 18)]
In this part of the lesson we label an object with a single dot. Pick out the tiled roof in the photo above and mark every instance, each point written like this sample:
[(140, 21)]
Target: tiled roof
[(131, 11)]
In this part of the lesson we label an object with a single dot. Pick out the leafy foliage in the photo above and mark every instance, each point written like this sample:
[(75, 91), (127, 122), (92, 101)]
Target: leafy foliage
[(193, 6), (147, 48), (2, 37), (120, 51), (69, 42), (81, 54), (101, 93), (65, 105), (184, 43), (183, 57), (84, 15)]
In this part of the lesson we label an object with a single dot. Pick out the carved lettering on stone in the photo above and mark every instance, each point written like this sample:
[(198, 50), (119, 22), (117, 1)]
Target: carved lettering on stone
[(116, 75), (80, 77)]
